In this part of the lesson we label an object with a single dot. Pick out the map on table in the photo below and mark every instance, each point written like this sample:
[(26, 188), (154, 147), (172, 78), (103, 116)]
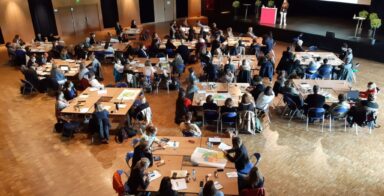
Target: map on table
[(207, 157), (127, 95)]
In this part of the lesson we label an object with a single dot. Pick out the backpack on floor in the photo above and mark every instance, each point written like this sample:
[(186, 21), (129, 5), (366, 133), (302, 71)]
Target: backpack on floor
[(69, 128)]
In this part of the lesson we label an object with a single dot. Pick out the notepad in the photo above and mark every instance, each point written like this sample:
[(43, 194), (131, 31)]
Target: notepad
[(102, 92), (179, 173), (224, 146), (214, 139), (83, 96), (122, 105), (179, 184), (84, 110), (218, 186), (173, 144), (154, 175), (232, 174)]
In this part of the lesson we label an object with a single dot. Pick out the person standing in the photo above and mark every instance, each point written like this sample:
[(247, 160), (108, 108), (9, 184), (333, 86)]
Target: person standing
[(283, 13)]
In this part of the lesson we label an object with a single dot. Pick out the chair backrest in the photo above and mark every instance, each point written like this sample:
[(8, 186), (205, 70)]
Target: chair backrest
[(339, 111), (229, 117), (253, 192), (128, 157), (290, 103), (211, 115), (316, 112)]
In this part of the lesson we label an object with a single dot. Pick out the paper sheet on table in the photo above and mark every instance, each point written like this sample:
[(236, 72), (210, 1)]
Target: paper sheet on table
[(93, 89), (232, 174), (84, 110), (122, 105), (179, 184), (224, 146), (173, 144), (305, 85), (179, 173), (154, 175), (214, 139), (102, 92), (83, 96), (218, 186)]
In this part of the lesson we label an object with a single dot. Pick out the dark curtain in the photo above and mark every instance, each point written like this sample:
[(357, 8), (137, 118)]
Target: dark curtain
[(181, 8), (147, 12), (110, 12), (43, 18), (1, 37)]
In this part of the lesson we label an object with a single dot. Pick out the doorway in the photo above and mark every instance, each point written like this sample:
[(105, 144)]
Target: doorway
[(79, 20), (169, 10)]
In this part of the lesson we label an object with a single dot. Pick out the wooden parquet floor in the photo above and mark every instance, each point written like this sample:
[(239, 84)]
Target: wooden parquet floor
[(36, 161)]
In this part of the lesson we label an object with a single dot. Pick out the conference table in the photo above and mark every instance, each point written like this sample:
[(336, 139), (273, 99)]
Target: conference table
[(236, 60), (161, 65), (197, 29), (306, 57), (117, 47), (40, 47), (179, 158), (132, 31), (109, 98), (246, 41), (328, 88), (70, 67), (177, 42), (220, 92)]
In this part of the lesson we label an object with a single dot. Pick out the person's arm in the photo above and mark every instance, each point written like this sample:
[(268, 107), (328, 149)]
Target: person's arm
[(144, 182)]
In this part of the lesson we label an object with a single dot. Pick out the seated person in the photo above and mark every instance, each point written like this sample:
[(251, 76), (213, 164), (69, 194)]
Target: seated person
[(32, 62), (140, 151), (371, 90), (209, 104), (358, 114), (228, 106), (370, 104), (240, 157), (135, 111), (142, 53), (61, 103), (83, 71), (230, 65), (212, 71), (183, 51), (178, 64), (247, 103), (266, 68), (64, 54), (313, 67), (57, 75), (325, 70), (188, 128), (69, 90), (39, 38), (289, 88), (265, 98), (101, 116), (183, 105), (314, 100), (250, 33), (253, 180), (44, 59), (93, 82), (299, 46), (210, 190), (150, 136), (95, 65), (169, 45), (149, 71), (166, 186), (279, 84), (342, 103), (139, 177), (228, 77), (192, 75), (257, 87)]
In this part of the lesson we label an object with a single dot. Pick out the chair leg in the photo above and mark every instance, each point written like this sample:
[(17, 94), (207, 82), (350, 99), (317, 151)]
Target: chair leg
[(307, 123), (356, 129), (345, 124), (294, 113), (330, 123), (322, 125)]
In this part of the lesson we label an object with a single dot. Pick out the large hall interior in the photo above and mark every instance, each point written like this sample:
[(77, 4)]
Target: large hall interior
[(191, 97)]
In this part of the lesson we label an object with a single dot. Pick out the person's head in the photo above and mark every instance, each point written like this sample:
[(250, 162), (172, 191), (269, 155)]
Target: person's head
[(371, 97), (143, 145), (165, 186), (342, 97), (68, 84), (118, 61), (209, 189), (244, 62), (39, 35), (151, 130), (268, 91), (91, 75), (371, 85), (229, 29), (188, 117), (288, 83), (289, 48), (33, 59), (148, 63), (228, 103), (325, 61), (17, 36), (344, 47), (255, 177), (318, 59), (315, 89), (190, 70), (236, 142), (143, 164), (246, 98), (300, 42), (214, 25), (133, 22), (250, 29), (209, 99), (258, 79), (98, 107)]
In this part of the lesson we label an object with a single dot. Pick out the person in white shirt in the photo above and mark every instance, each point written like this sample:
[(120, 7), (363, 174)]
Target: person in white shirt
[(188, 128), (83, 73), (265, 98), (250, 33), (229, 32), (93, 82), (245, 65), (149, 71), (60, 104), (118, 66)]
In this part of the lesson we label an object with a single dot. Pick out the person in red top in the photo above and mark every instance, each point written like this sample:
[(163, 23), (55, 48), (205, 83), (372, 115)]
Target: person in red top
[(183, 105), (371, 90)]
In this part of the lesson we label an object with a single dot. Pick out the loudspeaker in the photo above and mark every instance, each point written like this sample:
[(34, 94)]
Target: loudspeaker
[(330, 34)]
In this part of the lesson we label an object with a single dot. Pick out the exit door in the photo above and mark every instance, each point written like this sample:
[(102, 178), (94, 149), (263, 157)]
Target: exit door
[(169, 10)]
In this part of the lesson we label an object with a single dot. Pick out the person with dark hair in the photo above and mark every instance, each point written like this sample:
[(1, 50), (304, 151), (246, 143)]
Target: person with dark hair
[(92, 37), (166, 188), (210, 104), (140, 151), (69, 90), (286, 59), (257, 87), (228, 106), (230, 65), (371, 90), (118, 28), (343, 51), (138, 177), (253, 180), (188, 128), (247, 103), (142, 53), (325, 70), (169, 45), (358, 114), (133, 24), (210, 190), (314, 100), (265, 98), (240, 157), (182, 106), (57, 75), (342, 103), (183, 50), (266, 68), (289, 88)]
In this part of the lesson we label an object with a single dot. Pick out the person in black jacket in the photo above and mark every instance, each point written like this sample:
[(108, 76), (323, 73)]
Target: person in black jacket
[(140, 151), (314, 100), (183, 51), (166, 188), (257, 87), (118, 28), (138, 178), (240, 157)]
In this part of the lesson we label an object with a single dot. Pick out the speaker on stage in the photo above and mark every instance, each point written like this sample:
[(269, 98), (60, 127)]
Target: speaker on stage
[(330, 34)]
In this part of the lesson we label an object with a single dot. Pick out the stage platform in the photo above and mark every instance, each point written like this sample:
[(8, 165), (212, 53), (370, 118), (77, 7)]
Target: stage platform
[(314, 30)]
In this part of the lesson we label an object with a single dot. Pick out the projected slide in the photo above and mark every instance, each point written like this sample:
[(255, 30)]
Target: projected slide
[(362, 2)]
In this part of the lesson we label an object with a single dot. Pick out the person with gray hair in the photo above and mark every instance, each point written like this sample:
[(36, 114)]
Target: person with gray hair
[(139, 178)]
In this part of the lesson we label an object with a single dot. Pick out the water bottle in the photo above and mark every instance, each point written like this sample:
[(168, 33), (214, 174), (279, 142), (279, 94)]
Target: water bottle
[(194, 174)]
